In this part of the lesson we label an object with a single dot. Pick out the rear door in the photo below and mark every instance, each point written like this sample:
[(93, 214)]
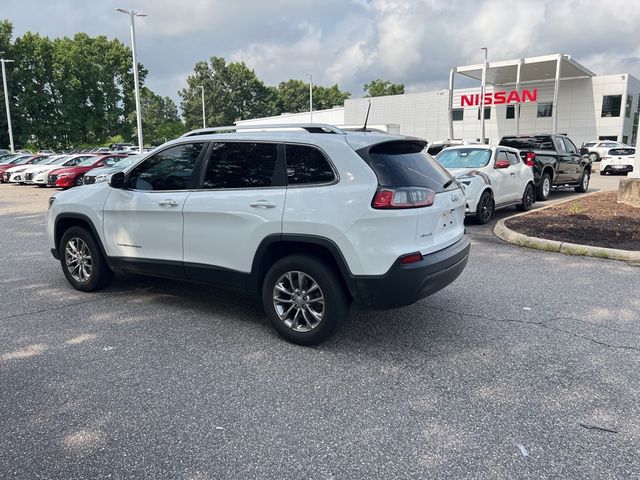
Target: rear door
[(518, 179), (143, 223), (573, 167), (503, 180), (239, 202)]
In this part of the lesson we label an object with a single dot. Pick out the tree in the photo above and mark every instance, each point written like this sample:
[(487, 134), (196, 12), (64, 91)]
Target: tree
[(292, 96), (379, 88), (68, 91), (160, 120), (232, 92)]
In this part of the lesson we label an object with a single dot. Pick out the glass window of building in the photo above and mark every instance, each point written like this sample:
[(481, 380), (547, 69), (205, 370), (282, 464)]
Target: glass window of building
[(545, 109), (457, 114), (487, 113), (627, 110), (611, 105)]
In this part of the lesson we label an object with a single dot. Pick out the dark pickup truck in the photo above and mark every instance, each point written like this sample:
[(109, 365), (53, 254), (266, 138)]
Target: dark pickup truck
[(555, 160)]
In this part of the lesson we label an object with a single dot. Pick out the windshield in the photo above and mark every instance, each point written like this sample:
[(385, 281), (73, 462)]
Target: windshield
[(6, 158), (88, 162), (128, 161), (464, 157), (23, 160), (59, 161), (41, 161), (590, 144)]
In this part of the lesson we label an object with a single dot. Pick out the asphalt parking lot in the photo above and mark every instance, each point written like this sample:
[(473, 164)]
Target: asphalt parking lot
[(528, 366)]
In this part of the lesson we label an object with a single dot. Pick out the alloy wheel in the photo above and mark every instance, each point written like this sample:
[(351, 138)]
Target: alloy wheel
[(486, 207), (585, 181), (546, 187), (298, 301), (78, 259)]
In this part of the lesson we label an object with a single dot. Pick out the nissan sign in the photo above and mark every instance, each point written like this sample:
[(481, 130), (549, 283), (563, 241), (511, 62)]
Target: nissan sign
[(500, 98)]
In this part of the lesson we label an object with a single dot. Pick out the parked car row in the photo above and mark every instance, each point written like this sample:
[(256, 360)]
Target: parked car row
[(63, 171), (517, 172)]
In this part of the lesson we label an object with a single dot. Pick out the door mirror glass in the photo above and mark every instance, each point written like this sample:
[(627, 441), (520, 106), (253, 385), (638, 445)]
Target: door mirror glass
[(117, 180)]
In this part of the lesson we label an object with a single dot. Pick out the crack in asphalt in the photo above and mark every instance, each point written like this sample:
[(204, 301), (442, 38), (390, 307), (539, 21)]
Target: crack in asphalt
[(544, 324)]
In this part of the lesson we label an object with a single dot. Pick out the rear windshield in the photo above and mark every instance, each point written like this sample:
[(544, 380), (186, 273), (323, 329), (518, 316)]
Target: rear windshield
[(622, 151), (542, 142), (590, 144), (406, 164), (464, 157)]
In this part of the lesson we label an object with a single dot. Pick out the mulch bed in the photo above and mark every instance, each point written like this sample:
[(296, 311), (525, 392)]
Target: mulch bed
[(597, 220)]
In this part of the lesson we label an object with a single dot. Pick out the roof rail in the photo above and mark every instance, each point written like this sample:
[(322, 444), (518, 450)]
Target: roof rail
[(309, 127)]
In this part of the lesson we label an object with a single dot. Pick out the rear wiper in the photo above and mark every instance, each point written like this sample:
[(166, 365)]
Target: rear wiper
[(448, 183)]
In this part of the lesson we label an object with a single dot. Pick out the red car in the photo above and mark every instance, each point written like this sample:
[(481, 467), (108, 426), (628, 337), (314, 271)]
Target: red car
[(72, 176)]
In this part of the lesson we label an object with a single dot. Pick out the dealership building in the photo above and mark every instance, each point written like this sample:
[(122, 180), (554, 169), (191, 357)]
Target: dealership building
[(552, 93)]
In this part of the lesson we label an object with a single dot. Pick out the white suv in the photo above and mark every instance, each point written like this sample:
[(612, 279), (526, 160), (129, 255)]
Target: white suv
[(493, 177), (312, 221)]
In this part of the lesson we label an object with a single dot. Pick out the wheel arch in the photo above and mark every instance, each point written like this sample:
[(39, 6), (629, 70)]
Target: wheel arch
[(65, 221), (275, 247)]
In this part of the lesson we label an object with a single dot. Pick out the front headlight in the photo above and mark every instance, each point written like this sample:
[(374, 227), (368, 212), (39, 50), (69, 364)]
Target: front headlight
[(63, 175), (101, 178)]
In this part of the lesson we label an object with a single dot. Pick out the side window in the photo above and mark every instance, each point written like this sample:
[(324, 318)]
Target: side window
[(169, 169), (307, 165), (241, 165), (560, 146), (513, 158), (571, 148), (501, 156)]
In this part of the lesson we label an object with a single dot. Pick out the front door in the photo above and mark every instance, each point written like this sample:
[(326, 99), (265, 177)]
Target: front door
[(143, 222)]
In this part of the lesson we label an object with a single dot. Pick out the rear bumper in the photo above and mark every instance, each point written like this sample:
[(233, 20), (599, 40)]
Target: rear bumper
[(406, 284), (617, 168)]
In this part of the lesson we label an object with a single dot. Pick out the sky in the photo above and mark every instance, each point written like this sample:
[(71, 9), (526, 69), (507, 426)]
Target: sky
[(349, 42)]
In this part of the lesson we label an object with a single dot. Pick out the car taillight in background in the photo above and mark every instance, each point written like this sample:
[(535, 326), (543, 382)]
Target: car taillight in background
[(404, 197), (530, 159)]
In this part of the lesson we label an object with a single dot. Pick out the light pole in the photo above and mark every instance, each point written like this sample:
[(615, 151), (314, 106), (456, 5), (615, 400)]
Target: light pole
[(6, 100), (133, 14), (310, 96), (204, 122), (483, 90)]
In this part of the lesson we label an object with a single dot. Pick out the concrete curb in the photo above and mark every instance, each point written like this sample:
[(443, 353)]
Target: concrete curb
[(510, 236)]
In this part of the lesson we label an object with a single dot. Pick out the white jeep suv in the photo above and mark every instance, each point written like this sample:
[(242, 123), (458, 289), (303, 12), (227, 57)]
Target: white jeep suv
[(311, 220)]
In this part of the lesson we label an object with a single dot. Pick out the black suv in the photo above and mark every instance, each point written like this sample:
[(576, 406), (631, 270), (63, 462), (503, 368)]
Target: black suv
[(556, 162)]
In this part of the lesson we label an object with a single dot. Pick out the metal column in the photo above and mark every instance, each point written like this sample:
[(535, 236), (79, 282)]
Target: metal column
[(556, 89), (483, 90), (451, 77), (516, 108)]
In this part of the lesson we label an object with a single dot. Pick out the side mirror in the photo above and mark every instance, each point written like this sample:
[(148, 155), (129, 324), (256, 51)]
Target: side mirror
[(117, 180), (502, 164)]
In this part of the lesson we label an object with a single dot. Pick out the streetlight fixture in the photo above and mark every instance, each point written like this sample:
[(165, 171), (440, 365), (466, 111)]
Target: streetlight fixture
[(6, 100), (483, 90), (204, 122), (132, 15), (310, 96)]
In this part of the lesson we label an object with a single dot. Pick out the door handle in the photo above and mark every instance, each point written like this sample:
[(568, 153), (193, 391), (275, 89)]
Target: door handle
[(262, 204), (168, 203)]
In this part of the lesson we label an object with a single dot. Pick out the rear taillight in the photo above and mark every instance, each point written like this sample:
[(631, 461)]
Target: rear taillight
[(530, 159), (405, 197)]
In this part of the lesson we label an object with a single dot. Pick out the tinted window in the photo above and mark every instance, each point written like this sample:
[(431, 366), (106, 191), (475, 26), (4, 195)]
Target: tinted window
[(571, 148), (611, 105), (527, 143), (457, 114), (513, 158), (560, 147), (511, 111), (545, 109), (307, 165), (622, 151), (170, 169), (406, 164), (241, 165), (487, 113)]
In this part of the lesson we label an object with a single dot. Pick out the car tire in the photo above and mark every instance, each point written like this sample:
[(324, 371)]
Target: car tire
[(78, 181), (602, 173), (594, 157), (544, 187), (583, 186), (485, 209), (300, 318), (78, 253), (528, 197)]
